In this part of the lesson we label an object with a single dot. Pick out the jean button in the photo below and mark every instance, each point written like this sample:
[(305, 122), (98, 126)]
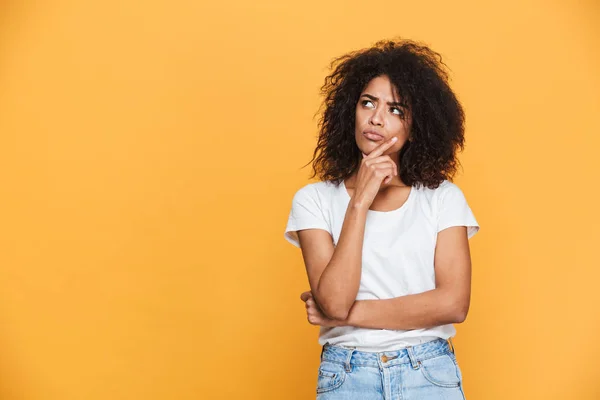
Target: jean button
[(384, 358)]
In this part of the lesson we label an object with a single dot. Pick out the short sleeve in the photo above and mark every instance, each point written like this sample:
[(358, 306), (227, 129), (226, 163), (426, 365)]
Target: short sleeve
[(455, 211), (306, 213)]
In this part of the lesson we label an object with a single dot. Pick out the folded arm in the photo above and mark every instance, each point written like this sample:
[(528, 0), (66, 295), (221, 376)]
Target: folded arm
[(446, 304), (334, 272)]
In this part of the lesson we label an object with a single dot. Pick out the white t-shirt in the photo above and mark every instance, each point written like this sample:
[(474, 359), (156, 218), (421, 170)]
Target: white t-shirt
[(397, 255)]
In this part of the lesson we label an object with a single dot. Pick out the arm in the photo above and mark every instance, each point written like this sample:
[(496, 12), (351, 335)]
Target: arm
[(334, 273), (447, 303)]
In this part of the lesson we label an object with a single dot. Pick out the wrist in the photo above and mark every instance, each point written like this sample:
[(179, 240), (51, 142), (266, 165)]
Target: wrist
[(358, 205), (353, 314)]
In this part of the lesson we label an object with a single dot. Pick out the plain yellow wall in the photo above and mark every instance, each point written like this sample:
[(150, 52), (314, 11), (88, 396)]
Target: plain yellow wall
[(150, 151)]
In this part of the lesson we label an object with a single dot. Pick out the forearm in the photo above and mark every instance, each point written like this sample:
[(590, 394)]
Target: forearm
[(423, 310), (340, 280)]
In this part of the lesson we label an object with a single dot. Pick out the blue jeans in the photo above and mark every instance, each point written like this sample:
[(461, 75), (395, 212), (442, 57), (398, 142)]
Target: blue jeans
[(425, 371)]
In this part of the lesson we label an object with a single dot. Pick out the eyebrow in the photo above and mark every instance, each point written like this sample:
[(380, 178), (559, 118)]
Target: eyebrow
[(389, 103)]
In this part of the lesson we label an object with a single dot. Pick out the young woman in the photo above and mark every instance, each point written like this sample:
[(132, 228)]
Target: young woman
[(384, 233)]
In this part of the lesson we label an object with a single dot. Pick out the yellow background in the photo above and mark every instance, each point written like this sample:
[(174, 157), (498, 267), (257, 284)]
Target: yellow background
[(150, 151)]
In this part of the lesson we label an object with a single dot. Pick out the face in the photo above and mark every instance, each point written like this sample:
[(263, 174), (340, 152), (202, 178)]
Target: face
[(380, 114)]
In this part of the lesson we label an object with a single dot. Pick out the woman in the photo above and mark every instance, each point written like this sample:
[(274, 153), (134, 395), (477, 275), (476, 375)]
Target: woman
[(384, 233)]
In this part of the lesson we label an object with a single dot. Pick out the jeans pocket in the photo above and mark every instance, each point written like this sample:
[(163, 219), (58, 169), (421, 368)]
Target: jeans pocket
[(441, 370), (331, 376), (458, 371)]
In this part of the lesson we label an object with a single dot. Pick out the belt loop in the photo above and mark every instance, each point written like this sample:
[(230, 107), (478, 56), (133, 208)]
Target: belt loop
[(413, 359), (323, 348), (451, 345), (347, 364)]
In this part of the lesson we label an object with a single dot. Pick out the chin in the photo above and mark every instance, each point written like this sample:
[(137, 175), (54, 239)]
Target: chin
[(367, 144)]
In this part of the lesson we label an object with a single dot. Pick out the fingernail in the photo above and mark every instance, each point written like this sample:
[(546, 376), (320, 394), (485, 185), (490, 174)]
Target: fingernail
[(394, 139)]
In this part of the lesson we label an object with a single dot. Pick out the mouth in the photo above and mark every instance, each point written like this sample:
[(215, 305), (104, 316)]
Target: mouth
[(373, 136)]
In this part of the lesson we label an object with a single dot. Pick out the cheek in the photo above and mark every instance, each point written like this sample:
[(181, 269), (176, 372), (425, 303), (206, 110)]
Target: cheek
[(400, 126), (358, 119), (396, 147)]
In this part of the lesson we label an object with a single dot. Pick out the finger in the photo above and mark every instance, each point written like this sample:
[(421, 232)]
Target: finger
[(378, 160), (305, 295), (382, 147), (384, 169), (385, 174), (382, 159)]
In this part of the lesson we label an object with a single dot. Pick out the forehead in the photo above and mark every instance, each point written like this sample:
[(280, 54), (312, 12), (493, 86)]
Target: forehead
[(381, 86)]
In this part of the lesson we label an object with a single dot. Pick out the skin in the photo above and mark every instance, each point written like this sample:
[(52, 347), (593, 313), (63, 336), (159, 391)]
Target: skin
[(449, 301), (374, 113), (334, 273)]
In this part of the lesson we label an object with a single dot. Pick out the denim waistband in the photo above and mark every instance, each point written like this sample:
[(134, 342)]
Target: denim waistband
[(412, 354)]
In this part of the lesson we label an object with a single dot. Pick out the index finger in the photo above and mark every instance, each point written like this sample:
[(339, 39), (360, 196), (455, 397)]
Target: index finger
[(382, 147)]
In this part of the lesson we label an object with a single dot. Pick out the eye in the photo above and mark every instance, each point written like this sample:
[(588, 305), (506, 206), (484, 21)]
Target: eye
[(364, 102), (400, 112)]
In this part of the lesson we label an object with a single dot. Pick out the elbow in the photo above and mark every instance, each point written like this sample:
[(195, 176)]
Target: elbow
[(335, 305), (340, 314), (460, 317), (459, 312), (336, 310), (455, 306)]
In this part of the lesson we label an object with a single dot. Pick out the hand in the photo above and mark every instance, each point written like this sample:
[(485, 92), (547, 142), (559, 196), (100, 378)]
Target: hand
[(314, 314), (374, 170)]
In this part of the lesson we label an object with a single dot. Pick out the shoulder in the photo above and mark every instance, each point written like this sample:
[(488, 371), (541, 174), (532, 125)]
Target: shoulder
[(317, 191), (439, 198), (446, 188), (437, 194), (452, 209), (314, 196), (449, 198)]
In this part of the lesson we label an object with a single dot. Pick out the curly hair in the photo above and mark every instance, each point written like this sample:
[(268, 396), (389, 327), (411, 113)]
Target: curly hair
[(421, 79)]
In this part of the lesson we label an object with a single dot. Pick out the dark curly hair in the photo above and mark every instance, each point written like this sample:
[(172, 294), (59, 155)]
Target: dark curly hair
[(421, 79)]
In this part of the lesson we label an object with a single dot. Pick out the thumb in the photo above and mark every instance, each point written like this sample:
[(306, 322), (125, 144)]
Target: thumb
[(305, 295)]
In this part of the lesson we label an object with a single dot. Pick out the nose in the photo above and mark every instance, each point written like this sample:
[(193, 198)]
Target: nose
[(376, 118)]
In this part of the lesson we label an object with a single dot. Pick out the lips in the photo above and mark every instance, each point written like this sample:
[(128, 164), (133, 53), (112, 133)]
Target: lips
[(373, 136)]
